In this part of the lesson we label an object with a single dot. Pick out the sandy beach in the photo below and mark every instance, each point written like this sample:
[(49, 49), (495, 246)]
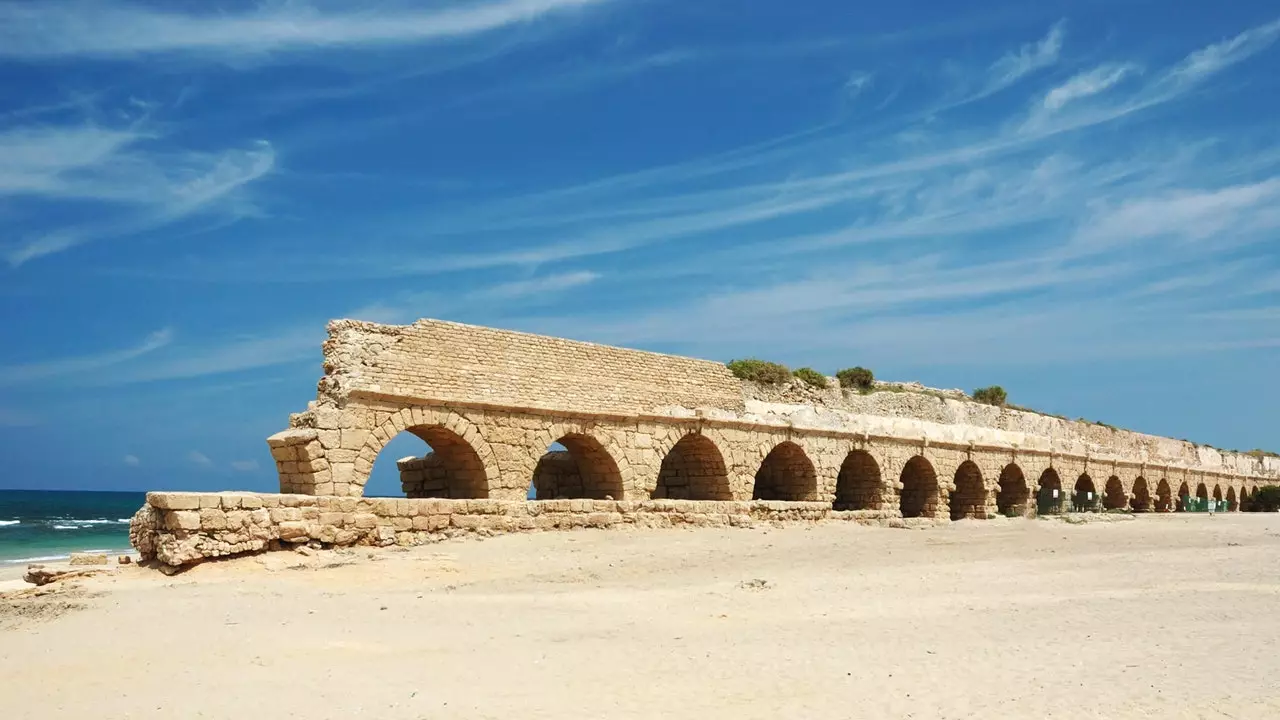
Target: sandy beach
[(1161, 616)]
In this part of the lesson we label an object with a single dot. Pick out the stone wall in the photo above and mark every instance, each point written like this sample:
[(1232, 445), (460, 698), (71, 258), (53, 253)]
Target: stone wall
[(455, 363), (179, 529), (639, 425)]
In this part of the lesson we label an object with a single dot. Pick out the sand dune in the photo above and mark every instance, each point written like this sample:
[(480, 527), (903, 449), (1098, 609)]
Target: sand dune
[(1169, 617)]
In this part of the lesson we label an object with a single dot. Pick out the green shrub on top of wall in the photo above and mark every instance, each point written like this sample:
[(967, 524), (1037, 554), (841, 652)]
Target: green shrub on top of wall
[(858, 378), (994, 395), (811, 377), (761, 371)]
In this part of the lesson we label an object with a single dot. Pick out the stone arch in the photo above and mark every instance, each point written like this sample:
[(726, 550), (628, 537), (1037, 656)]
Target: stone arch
[(584, 469), (1011, 499), (1115, 498), (1242, 499), (969, 499), (920, 495), (1184, 492), (1217, 493), (693, 469), (858, 486), (1085, 496), (786, 473), (1049, 492), (1232, 504), (464, 453), (1202, 491), (1141, 501), (451, 470), (1164, 496)]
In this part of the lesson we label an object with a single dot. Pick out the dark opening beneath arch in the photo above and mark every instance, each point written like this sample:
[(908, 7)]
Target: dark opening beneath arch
[(450, 467), (919, 489), (969, 500), (693, 470), (577, 466), (858, 487), (1012, 498), (1141, 501), (1116, 498), (1086, 495), (786, 474)]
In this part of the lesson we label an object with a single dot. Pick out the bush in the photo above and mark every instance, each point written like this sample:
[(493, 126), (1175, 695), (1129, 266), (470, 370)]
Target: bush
[(1265, 499), (856, 377), (811, 377), (994, 395), (761, 371)]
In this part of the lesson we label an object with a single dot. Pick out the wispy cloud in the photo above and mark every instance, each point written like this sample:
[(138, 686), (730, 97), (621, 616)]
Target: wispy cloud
[(1214, 58), (199, 459), (1086, 84), (132, 460), (857, 83), (61, 28), (13, 375), (244, 465), (190, 185), (1028, 59)]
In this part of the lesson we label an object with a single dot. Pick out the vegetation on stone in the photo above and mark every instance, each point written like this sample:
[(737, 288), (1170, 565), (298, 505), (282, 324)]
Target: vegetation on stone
[(993, 395), (761, 371), (858, 378), (811, 377)]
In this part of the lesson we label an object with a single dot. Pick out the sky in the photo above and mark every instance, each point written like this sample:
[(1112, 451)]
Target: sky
[(1079, 201)]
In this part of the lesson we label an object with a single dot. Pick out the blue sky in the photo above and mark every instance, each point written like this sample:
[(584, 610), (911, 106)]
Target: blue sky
[(1079, 201)]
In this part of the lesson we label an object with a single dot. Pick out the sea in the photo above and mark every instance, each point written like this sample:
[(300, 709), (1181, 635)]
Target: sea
[(49, 525)]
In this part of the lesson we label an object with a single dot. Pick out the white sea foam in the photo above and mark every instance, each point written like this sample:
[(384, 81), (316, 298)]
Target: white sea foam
[(54, 558), (66, 527), (7, 523), (41, 558)]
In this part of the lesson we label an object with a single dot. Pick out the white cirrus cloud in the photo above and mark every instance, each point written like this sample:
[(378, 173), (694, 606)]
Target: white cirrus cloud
[(1092, 82), (132, 460), (79, 28), (244, 465), (12, 375), (1028, 59), (200, 459)]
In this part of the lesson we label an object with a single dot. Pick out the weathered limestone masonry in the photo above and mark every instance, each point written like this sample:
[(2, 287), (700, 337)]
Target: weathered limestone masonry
[(650, 439)]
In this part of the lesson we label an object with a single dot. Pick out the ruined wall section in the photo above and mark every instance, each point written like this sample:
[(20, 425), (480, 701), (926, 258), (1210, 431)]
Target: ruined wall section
[(951, 419), (446, 363)]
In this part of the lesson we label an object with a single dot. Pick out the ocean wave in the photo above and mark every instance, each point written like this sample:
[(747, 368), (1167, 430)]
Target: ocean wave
[(53, 558), (66, 527), (41, 558), (7, 523)]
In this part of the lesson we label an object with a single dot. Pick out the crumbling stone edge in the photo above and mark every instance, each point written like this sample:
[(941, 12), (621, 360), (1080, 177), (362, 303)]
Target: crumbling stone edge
[(181, 529)]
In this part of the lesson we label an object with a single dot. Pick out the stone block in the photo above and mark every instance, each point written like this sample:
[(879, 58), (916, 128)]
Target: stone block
[(293, 531), (88, 559), (184, 520), (212, 519), (174, 501)]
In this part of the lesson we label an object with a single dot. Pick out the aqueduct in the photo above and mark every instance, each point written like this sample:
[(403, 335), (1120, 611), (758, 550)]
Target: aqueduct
[(643, 432)]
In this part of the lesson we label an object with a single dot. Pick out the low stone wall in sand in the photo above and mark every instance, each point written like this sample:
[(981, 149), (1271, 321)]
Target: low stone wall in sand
[(184, 528)]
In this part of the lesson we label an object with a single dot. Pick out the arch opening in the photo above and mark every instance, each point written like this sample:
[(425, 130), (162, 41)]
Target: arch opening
[(693, 470), (1202, 492), (1164, 496), (919, 497), (858, 486), (1115, 498), (969, 499), (576, 466), (1011, 500), (786, 474), (1217, 493), (1184, 493), (1049, 499), (1141, 501), (449, 468), (1232, 504), (1085, 497)]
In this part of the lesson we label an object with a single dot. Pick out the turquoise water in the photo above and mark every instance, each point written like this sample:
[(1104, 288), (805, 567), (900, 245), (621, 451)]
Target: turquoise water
[(45, 525)]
